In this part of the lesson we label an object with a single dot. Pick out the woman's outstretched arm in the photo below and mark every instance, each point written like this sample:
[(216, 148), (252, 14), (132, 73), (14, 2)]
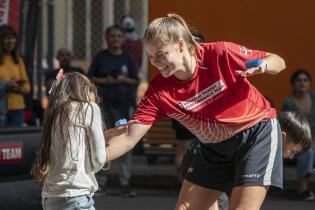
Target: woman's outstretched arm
[(120, 144)]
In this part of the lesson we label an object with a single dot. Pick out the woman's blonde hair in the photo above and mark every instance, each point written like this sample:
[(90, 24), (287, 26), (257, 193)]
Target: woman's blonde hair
[(172, 27)]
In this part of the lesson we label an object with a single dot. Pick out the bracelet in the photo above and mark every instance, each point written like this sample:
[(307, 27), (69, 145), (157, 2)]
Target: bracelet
[(266, 66)]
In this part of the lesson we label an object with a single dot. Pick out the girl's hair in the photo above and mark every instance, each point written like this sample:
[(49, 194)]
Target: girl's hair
[(6, 30), (171, 28), (73, 87), (297, 73), (297, 127)]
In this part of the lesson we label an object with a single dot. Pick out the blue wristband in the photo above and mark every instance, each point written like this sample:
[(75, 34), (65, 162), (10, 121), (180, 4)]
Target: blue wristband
[(120, 122), (253, 63)]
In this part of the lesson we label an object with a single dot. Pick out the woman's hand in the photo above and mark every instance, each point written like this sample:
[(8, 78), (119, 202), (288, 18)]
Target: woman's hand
[(254, 70)]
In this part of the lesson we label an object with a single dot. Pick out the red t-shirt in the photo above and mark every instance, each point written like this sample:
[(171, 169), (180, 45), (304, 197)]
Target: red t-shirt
[(215, 103)]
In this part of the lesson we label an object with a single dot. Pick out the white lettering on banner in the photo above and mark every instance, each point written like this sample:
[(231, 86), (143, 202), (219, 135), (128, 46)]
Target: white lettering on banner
[(4, 11), (11, 153), (204, 96)]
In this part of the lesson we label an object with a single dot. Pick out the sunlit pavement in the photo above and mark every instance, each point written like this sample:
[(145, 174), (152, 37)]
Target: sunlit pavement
[(156, 186)]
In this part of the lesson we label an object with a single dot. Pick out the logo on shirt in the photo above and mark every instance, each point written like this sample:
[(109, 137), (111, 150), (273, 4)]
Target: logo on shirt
[(124, 70), (204, 97), (250, 176), (245, 51)]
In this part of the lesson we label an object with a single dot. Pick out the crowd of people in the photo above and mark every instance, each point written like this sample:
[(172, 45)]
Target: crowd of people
[(230, 139)]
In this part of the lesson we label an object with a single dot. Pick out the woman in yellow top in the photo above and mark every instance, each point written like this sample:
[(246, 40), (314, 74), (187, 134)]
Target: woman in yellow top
[(12, 71)]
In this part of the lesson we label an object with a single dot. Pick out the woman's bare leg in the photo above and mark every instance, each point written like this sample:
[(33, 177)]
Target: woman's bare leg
[(247, 197), (194, 197)]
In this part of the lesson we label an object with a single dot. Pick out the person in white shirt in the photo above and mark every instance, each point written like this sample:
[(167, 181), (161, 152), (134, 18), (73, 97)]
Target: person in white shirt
[(72, 146)]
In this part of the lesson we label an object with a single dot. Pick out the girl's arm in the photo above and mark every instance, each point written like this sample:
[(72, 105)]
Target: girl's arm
[(123, 143), (116, 131), (97, 140)]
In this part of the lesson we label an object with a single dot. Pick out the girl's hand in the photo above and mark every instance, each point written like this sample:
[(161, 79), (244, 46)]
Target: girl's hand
[(117, 131)]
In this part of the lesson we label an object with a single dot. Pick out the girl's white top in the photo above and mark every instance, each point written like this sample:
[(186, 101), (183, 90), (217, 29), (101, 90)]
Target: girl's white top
[(72, 166)]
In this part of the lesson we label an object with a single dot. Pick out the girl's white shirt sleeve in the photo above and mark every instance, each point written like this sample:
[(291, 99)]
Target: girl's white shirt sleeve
[(97, 141)]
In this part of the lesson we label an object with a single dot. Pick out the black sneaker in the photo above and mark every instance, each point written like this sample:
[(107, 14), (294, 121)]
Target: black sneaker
[(127, 192), (307, 195)]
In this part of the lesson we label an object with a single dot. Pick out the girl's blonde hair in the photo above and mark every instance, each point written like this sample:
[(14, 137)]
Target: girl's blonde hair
[(73, 87), (172, 27)]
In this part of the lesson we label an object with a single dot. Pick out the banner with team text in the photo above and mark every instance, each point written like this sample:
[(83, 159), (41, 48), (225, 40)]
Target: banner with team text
[(11, 153), (10, 13)]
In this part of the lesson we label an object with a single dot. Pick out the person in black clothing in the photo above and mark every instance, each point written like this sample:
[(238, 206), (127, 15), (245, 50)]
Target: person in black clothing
[(115, 74), (64, 57)]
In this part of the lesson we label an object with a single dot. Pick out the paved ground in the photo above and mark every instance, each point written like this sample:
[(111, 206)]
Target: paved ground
[(156, 186)]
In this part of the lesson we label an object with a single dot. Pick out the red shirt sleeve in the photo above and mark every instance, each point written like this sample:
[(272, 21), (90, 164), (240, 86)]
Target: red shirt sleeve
[(149, 109), (238, 55)]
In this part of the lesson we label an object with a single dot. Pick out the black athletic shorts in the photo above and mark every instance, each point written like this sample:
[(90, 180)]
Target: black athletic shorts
[(189, 156), (252, 157)]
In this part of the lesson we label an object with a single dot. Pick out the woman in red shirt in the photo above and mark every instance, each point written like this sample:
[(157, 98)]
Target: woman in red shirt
[(204, 87)]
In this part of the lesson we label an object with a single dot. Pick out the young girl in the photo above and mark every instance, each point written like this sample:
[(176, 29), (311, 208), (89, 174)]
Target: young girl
[(204, 87), (72, 147)]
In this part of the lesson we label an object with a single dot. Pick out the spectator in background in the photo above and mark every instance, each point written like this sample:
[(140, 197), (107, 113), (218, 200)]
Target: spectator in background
[(134, 47), (13, 73), (132, 43), (115, 74), (302, 100), (64, 56)]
